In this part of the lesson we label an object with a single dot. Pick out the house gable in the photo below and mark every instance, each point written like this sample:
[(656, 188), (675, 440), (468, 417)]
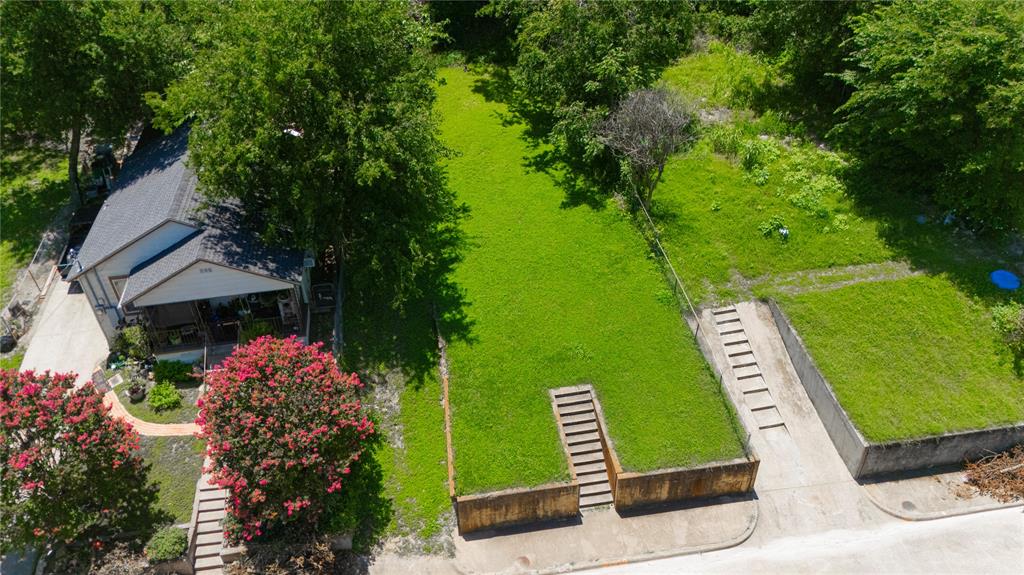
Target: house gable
[(204, 280)]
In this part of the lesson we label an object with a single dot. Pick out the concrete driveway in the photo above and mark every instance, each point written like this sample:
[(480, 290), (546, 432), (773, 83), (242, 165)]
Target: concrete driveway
[(65, 335)]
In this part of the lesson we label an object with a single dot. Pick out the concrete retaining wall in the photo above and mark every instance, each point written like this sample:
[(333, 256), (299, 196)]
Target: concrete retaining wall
[(517, 506), (633, 490), (865, 459)]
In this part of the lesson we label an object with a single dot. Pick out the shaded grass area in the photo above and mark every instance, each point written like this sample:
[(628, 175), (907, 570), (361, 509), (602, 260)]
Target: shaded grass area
[(909, 358), (561, 296), (176, 466), (185, 413), (33, 188)]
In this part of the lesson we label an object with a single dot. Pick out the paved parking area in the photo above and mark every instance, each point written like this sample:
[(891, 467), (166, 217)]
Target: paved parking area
[(65, 336)]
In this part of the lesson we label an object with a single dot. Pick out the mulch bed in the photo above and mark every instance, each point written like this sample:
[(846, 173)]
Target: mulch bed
[(1000, 476)]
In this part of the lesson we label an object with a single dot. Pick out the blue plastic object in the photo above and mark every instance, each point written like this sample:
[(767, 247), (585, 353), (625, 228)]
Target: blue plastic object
[(1005, 279)]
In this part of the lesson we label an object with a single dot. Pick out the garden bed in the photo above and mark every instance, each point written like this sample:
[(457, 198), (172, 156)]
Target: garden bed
[(561, 295), (185, 413)]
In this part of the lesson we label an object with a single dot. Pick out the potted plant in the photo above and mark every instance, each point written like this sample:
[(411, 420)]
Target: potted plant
[(167, 551), (136, 390)]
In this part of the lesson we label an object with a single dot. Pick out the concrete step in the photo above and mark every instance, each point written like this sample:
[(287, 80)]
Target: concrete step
[(570, 391), (746, 361), (579, 418), (600, 476), (583, 407), (209, 550), (578, 428), (746, 372), (211, 504), (590, 468), (595, 489), (583, 448), (767, 417), (759, 400), (727, 320), (752, 384), (739, 349), (582, 438), (734, 339), (595, 500), (211, 494), (209, 538), (212, 514), (724, 310), (730, 329), (584, 458), (209, 527), (581, 397), (208, 562), (210, 571)]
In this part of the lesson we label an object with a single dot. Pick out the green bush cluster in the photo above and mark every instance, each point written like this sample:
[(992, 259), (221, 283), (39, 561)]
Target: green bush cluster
[(254, 329), (1008, 319), (166, 545), (132, 342), (164, 396), (172, 371)]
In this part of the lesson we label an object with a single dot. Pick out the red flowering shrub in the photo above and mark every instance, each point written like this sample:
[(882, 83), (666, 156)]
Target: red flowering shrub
[(281, 426), (69, 470)]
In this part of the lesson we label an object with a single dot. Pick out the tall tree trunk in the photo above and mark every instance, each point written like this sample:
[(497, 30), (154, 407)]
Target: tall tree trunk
[(73, 149), (339, 341)]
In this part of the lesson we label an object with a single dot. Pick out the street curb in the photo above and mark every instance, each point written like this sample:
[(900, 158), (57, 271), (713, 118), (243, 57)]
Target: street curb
[(910, 516), (742, 537)]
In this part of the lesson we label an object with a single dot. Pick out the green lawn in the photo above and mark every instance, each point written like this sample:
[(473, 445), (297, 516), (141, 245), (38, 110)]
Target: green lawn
[(176, 466), (12, 361), (909, 358), (33, 188), (561, 296)]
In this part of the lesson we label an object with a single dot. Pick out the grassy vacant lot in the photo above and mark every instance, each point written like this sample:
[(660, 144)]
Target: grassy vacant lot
[(33, 188), (560, 296), (176, 466), (909, 358)]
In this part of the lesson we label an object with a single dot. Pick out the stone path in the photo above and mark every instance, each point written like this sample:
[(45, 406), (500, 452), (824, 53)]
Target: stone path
[(577, 424)]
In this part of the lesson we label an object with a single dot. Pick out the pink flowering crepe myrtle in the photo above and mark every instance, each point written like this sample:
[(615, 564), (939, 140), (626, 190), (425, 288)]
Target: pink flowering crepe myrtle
[(68, 467), (281, 426)]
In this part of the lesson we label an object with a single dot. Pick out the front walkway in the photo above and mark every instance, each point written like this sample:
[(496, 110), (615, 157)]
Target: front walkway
[(65, 336), (145, 427)]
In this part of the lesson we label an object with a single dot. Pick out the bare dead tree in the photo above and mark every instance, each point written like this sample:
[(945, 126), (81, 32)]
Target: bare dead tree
[(646, 129)]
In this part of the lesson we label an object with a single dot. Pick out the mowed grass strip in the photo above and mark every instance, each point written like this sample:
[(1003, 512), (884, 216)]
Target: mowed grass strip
[(909, 358), (561, 296)]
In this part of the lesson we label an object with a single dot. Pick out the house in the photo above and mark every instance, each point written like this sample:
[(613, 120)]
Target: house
[(190, 270)]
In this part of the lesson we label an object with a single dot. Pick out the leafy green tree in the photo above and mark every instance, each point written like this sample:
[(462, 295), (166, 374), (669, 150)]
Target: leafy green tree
[(74, 68), (577, 60), (319, 118), (808, 39), (939, 98)]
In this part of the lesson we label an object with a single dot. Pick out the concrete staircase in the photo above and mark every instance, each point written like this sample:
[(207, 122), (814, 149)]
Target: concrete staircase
[(577, 422), (744, 367), (207, 533)]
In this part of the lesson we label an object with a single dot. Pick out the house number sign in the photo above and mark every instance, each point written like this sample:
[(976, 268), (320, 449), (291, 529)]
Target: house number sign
[(206, 270)]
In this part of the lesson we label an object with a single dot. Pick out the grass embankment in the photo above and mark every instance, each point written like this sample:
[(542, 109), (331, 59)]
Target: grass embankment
[(33, 188), (177, 463), (561, 296), (909, 358)]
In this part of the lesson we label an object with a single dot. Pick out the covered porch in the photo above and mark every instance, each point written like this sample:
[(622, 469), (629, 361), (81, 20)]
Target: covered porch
[(189, 325)]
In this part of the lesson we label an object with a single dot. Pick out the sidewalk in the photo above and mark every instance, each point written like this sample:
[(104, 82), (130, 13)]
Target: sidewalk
[(65, 336)]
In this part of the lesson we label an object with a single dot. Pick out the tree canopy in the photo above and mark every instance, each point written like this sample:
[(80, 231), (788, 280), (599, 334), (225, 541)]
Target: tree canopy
[(74, 68), (69, 469), (319, 117), (577, 60), (938, 103)]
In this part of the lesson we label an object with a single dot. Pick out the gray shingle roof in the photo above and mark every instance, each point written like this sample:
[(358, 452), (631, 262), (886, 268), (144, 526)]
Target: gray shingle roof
[(154, 186), (222, 240)]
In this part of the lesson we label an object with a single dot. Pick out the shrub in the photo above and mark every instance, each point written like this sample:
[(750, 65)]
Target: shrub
[(172, 371), (68, 470), (771, 225), (164, 396), (254, 329), (1008, 320), (281, 426), (133, 342), (167, 544)]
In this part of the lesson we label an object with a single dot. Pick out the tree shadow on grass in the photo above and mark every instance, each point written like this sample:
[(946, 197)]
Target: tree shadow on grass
[(937, 248), (584, 182)]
